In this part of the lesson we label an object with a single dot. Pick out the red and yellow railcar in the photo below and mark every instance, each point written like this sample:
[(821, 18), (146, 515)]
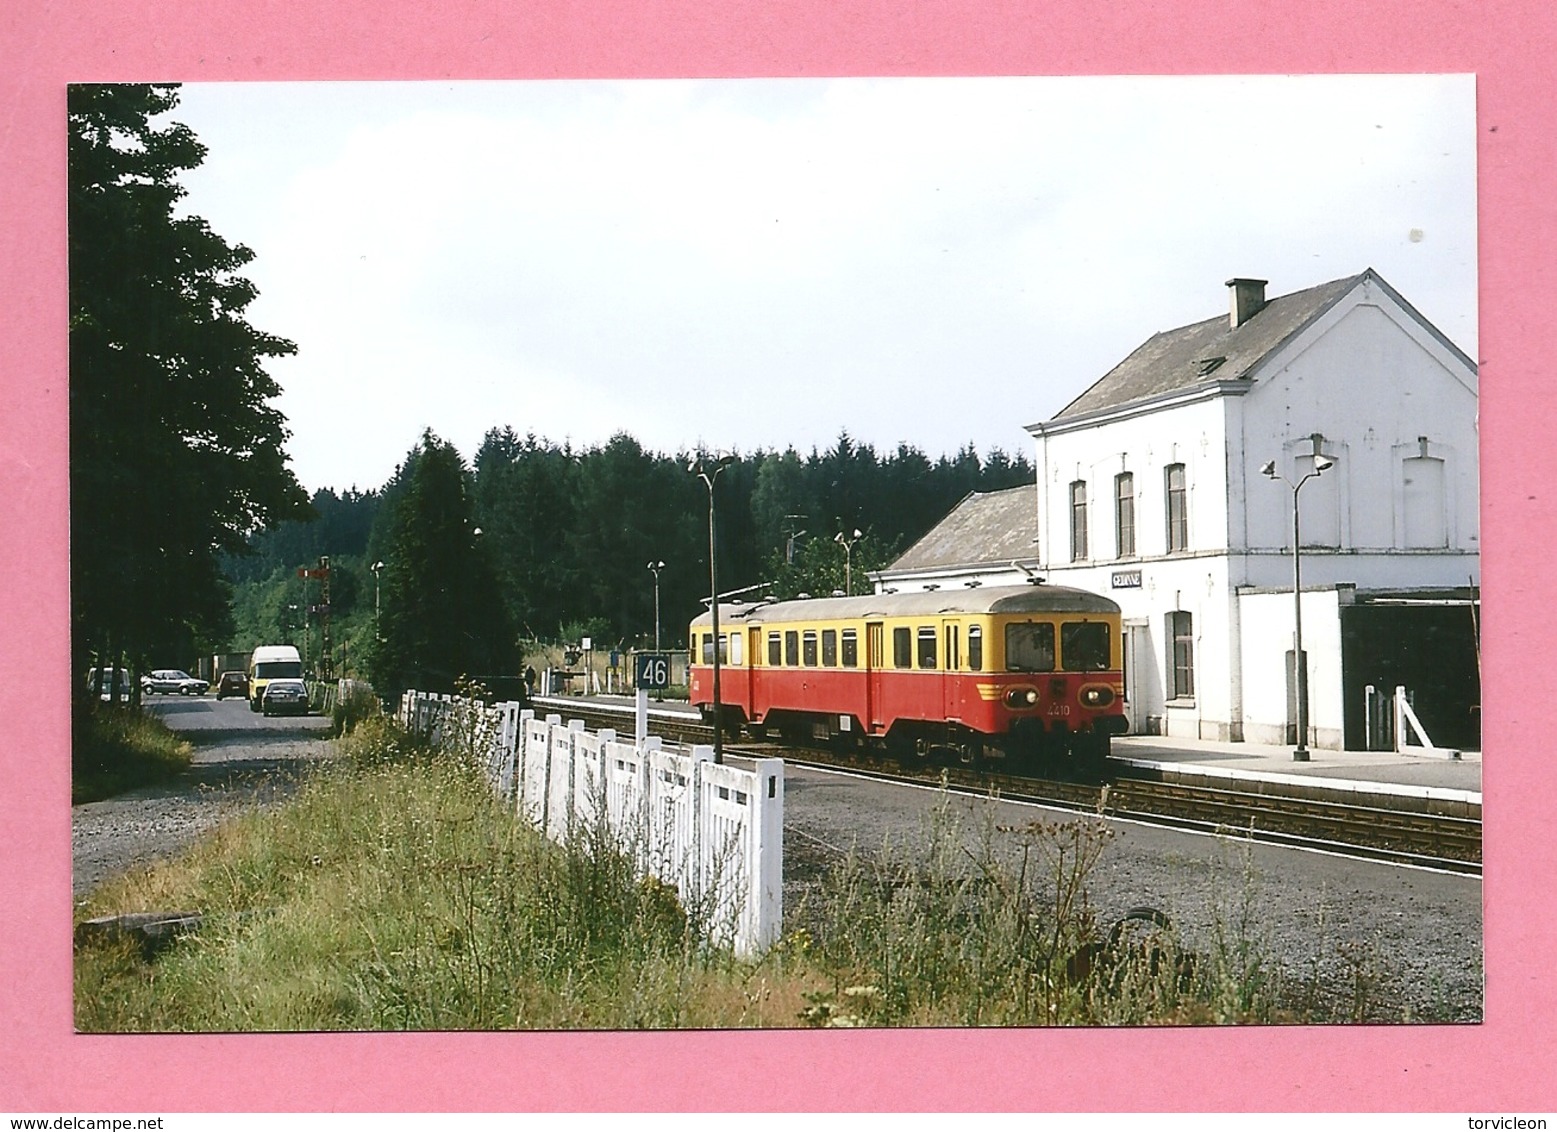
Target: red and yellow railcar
[(973, 672)]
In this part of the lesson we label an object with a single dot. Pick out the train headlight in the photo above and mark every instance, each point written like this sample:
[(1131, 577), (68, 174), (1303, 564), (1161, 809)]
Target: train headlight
[(1097, 696), (1021, 697)]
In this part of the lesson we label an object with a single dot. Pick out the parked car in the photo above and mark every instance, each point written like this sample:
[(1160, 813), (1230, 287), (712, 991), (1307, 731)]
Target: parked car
[(171, 681), (285, 697), (233, 682), (105, 688)]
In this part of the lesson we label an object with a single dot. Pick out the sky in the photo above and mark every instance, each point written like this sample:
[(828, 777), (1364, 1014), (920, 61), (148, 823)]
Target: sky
[(735, 265)]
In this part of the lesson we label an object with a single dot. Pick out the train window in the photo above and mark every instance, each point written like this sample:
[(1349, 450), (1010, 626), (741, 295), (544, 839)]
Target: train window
[(927, 646), (724, 648), (775, 653), (808, 648), (1030, 646), (851, 648), (735, 648), (830, 648), (1084, 646), (791, 647), (902, 647), (975, 648)]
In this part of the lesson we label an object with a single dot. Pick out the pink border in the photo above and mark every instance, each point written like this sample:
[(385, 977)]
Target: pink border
[(1493, 1067)]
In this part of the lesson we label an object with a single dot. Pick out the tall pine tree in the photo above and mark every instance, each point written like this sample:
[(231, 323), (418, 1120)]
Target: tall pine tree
[(441, 614)]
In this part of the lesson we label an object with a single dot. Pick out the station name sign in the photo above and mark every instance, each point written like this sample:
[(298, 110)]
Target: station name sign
[(1126, 580)]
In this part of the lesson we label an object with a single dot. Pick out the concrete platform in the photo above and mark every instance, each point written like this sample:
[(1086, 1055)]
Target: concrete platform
[(1384, 773)]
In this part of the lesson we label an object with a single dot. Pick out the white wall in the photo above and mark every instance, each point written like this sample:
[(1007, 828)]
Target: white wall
[(1266, 631), (1373, 383), (1192, 434)]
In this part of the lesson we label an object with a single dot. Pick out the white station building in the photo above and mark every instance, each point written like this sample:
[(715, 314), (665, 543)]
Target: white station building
[(1169, 485)]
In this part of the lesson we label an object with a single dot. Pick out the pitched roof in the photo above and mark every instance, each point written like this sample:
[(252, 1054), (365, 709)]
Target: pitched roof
[(993, 599), (985, 528), (1208, 351)]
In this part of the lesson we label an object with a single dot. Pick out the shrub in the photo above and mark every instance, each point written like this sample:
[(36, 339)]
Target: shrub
[(355, 703), (114, 749)]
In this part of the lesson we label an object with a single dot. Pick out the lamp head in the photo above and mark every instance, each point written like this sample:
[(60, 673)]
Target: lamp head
[(1269, 469), (1323, 464)]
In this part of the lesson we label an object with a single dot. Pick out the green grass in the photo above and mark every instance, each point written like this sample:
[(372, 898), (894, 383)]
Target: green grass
[(114, 749), (393, 892)]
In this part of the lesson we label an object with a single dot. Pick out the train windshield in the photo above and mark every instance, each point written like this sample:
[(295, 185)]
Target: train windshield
[(1084, 646), (1029, 647)]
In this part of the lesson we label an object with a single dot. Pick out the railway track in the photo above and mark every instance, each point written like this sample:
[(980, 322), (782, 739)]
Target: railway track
[(1306, 818)]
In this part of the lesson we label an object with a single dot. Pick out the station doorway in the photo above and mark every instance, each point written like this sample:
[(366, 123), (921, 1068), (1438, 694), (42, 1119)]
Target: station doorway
[(1427, 644)]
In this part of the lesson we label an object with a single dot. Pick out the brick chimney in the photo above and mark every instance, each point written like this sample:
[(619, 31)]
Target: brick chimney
[(1246, 297)]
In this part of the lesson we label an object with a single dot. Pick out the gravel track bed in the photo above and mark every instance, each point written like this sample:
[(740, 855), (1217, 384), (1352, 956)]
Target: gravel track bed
[(1405, 943)]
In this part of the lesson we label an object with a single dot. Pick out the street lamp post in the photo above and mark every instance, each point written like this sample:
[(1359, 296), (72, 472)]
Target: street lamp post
[(708, 473), (1322, 464), (848, 559), (655, 568), (376, 568)]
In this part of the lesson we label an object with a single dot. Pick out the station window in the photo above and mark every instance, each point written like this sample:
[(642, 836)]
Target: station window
[(1084, 646), (791, 647), (1124, 515), (808, 648), (775, 650), (976, 648), (851, 648), (1030, 646), (1178, 508), (830, 648), (1181, 655), (927, 646), (1078, 520), (902, 647)]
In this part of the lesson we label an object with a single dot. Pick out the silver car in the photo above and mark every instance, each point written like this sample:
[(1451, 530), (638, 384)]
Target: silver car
[(173, 681), (285, 697)]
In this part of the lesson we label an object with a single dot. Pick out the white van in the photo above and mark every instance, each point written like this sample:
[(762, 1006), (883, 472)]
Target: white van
[(271, 662), (105, 689)]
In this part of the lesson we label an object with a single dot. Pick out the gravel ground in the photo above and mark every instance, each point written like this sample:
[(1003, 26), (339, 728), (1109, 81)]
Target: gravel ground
[(240, 759), (1410, 938)]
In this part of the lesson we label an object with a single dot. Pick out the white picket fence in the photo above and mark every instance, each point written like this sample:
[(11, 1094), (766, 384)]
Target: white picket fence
[(712, 831)]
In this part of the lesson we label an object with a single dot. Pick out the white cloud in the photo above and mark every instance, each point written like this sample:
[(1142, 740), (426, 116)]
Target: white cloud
[(767, 263)]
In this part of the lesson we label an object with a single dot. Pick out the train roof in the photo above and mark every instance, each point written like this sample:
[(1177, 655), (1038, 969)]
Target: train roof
[(920, 603)]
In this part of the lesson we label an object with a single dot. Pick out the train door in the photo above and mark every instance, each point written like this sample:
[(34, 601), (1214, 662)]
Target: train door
[(754, 673), (951, 684), (875, 660)]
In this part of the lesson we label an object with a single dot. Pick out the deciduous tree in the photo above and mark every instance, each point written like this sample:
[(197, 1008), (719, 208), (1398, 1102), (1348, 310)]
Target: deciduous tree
[(176, 449)]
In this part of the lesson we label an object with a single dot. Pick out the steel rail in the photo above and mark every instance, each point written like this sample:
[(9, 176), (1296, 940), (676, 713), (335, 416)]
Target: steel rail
[(1392, 835)]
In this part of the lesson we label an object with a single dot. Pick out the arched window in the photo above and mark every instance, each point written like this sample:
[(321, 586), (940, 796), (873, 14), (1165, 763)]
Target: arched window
[(1078, 520), (1124, 515), (1177, 507)]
